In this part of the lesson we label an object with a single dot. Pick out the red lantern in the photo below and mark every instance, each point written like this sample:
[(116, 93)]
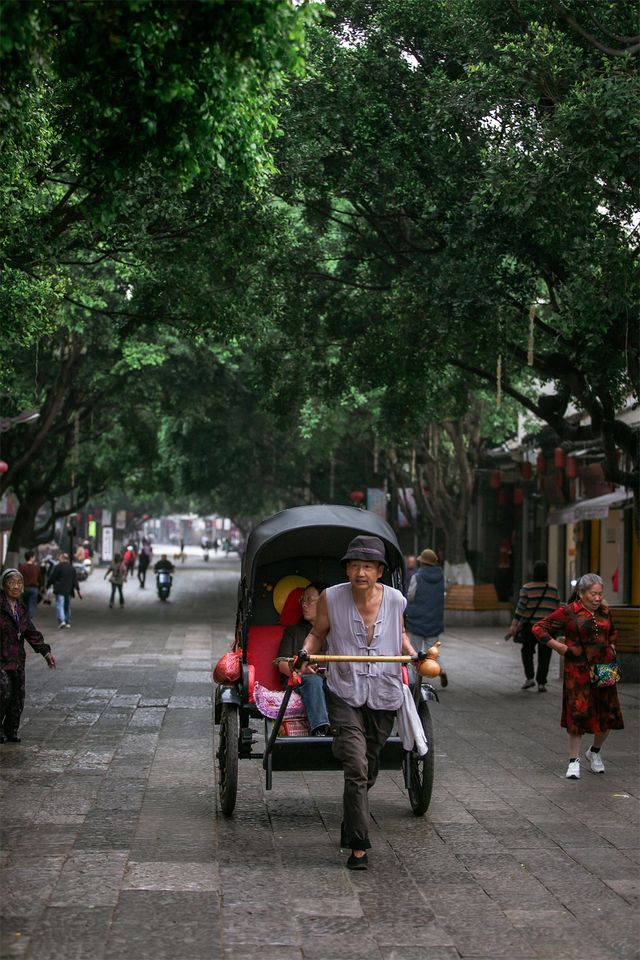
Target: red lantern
[(572, 467), (356, 496), (518, 496), (541, 464), (559, 457), (3, 466), (526, 470), (495, 480)]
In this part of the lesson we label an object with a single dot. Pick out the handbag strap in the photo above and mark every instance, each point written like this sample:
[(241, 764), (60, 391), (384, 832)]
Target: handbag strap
[(530, 618)]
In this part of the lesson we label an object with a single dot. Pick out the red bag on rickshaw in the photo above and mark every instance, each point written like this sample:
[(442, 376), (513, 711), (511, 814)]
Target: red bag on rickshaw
[(228, 667)]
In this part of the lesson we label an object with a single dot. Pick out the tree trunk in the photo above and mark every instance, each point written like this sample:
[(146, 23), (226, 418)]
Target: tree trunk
[(22, 531)]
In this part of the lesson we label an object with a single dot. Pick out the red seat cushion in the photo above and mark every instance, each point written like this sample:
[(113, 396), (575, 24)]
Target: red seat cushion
[(263, 643)]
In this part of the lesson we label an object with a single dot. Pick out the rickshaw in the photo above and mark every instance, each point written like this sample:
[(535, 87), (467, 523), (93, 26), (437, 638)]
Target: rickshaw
[(283, 554)]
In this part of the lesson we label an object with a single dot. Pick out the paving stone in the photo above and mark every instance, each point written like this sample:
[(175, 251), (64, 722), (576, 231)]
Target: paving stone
[(198, 877), (68, 933), (407, 952), (160, 925)]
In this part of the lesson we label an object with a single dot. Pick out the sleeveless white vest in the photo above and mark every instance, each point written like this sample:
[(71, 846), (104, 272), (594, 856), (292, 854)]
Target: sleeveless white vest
[(379, 685)]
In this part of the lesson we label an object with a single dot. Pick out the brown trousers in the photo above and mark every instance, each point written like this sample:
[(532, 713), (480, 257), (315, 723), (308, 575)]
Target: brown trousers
[(359, 734)]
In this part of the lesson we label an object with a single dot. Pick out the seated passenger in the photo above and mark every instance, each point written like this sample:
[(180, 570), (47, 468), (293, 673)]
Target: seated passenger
[(311, 689)]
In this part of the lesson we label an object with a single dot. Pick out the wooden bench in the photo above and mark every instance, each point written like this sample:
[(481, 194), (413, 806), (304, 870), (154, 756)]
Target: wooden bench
[(627, 622), (475, 604), (476, 596)]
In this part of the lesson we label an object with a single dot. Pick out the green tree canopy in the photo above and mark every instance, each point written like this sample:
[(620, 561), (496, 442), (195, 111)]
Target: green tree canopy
[(456, 165)]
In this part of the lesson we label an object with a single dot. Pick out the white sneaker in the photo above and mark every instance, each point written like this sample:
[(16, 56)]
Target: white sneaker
[(597, 766), (573, 770)]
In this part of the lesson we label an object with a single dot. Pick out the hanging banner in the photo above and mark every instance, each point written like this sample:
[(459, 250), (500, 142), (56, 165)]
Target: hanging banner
[(121, 519), (377, 501), (106, 518), (92, 528), (107, 544)]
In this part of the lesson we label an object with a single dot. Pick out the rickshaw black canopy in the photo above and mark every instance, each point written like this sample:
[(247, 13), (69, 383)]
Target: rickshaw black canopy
[(322, 530)]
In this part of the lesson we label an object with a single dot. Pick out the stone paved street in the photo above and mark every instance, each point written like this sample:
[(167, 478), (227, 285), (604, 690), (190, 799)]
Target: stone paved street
[(113, 848)]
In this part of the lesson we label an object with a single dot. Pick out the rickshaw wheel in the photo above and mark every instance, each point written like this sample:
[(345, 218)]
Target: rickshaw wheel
[(228, 758), (422, 768)]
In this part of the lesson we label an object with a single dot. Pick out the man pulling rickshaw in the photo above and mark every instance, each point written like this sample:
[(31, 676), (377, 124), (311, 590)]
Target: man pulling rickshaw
[(363, 618)]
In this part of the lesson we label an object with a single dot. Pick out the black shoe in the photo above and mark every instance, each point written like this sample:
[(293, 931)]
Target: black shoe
[(12, 738), (3, 739), (444, 679), (320, 731), (357, 863)]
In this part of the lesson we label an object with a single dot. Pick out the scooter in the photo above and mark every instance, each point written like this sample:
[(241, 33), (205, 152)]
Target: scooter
[(80, 569), (163, 583)]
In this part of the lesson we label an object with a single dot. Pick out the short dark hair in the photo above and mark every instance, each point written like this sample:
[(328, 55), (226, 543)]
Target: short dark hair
[(317, 585), (29, 554), (540, 571)]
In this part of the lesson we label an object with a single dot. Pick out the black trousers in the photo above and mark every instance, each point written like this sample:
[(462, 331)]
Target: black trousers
[(359, 734), (118, 587), (529, 645), (12, 701)]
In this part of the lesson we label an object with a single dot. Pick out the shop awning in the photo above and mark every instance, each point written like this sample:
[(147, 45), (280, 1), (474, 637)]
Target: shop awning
[(595, 509)]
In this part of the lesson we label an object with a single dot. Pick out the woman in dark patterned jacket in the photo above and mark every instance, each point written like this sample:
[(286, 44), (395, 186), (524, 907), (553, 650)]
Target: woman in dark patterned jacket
[(589, 638), (15, 628)]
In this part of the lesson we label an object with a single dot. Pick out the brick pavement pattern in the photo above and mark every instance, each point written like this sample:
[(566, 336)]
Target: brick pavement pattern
[(113, 847)]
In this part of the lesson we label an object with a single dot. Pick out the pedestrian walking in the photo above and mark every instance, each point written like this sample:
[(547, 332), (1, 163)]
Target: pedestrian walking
[(33, 582), (129, 559), (360, 617), (425, 605), (589, 644), (144, 559), (117, 574), (15, 628), (410, 568), (537, 599), (64, 581)]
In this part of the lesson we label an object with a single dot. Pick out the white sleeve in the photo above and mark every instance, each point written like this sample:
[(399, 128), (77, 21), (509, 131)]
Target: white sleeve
[(413, 586)]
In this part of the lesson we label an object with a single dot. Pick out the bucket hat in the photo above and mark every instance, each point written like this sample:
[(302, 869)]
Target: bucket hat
[(428, 558), (366, 548)]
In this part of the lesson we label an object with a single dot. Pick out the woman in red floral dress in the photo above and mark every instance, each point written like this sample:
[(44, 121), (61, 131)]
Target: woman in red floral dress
[(589, 638)]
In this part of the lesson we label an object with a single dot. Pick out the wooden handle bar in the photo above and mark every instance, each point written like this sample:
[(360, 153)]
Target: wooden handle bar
[(337, 658)]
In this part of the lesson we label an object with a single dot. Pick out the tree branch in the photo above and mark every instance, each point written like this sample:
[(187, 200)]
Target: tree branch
[(632, 47)]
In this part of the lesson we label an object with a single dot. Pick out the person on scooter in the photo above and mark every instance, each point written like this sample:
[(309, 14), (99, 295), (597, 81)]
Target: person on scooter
[(163, 564)]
